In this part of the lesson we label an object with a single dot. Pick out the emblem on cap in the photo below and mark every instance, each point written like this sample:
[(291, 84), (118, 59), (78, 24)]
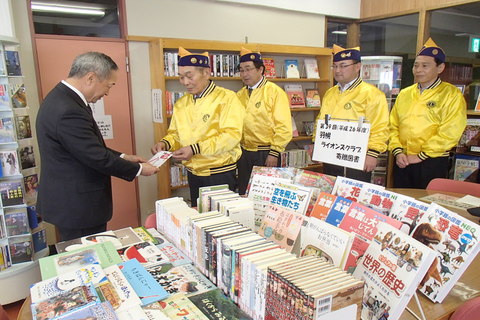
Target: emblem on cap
[(252, 56), (435, 51), (344, 54), (193, 60)]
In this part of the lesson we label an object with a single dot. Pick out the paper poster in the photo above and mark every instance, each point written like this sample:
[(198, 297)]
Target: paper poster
[(157, 105), (105, 125)]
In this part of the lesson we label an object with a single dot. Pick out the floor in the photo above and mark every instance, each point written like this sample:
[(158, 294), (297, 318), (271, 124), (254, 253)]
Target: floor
[(13, 309)]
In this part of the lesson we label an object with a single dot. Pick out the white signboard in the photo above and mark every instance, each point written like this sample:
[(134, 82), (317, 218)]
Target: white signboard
[(157, 105), (341, 143)]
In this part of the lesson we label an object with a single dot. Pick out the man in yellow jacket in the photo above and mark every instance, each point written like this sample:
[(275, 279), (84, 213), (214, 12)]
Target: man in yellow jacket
[(427, 120), (206, 127), (267, 127), (351, 99)]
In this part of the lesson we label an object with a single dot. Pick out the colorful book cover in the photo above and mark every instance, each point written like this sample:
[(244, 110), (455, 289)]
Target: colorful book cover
[(349, 188), (293, 197), (24, 130), (392, 268), (269, 64), (324, 240), (51, 287), (174, 256), (455, 239), (12, 60), (377, 198), (215, 305), (125, 296), (318, 182), (18, 97), (31, 188), (282, 226), (356, 252), (4, 96), (147, 289), (103, 253), (363, 221), (466, 168), (11, 192), (160, 158), (313, 98), (295, 95), (16, 221), (338, 210), (145, 235), (311, 68), (20, 249), (180, 307), (103, 311), (291, 68), (7, 132), (9, 161), (408, 211), (323, 205), (185, 279)]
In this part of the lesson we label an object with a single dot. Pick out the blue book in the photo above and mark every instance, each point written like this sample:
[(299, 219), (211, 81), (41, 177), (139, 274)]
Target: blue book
[(338, 211), (146, 287)]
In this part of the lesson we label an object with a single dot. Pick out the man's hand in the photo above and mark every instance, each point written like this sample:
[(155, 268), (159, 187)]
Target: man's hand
[(134, 158), (159, 147), (413, 158), (271, 161), (401, 160), (148, 169), (184, 153), (370, 164)]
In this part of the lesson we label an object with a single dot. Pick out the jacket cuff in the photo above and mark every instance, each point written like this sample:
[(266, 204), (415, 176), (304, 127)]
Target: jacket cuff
[(167, 144), (372, 153), (195, 148), (423, 156), (397, 151), (274, 153)]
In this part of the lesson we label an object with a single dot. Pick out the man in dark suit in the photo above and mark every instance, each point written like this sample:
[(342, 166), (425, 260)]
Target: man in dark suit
[(75, 192)]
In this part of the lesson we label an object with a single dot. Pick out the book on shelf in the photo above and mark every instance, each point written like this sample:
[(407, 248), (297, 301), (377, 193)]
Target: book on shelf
[(3, 68), (292, 69), (318, 182), (27, 157), (7, 132), (20, 248), (270, 71), (294, 128), (295, 95), (338, 210), (23, 127), (18, 96), (466, 168), (16, 221), (31, 188), (408, 211), (311, 68), (4, 95), (12, 61), (455, 239), (39, 238), (9, 162), (11, 192), (392, 267), (312, 97), (5, 257)]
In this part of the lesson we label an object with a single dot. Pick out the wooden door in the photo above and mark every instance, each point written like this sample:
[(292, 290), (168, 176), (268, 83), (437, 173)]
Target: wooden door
[(55, 57)]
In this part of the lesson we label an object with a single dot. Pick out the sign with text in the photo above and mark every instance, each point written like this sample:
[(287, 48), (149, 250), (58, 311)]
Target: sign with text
[(341, 143)]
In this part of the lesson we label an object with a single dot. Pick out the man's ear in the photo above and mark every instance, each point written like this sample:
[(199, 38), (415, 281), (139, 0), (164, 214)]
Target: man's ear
[(441, 67), (90, 77)]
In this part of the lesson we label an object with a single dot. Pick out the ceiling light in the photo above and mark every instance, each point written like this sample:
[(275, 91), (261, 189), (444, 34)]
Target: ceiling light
[(72, 9), (339, 32)]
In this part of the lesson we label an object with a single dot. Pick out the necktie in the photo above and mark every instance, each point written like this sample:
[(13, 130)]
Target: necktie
[(250, 91)]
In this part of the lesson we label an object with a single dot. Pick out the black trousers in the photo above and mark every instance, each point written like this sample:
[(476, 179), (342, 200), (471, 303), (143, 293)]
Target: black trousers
[(334, 170), (418, 175), (70, 234), (196, 182), (245, 165)]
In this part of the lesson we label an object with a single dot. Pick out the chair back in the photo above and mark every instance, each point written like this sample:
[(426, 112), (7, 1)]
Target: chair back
[(468, 310), (449, 185), (151, 221)]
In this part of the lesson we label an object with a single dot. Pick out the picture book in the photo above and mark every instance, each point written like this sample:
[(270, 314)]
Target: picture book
[(455, 239), (270, 71), (20, 248), (408, 211), (312, 97), (24, 130), (180, 307), (145, 235), (16, 221), (7, 133), (124, 296), (173, 254), (356, 252), (295, 95), (11, 192), (202, 207), (154, 311), (392, 267), (39, 238), (377, 198), (349, 188), (9, 162), (324, 240), (215, 305), (293, 197), (31, 188), (318, 182), (363, 221), (160, 158), (18, 95), (185, 279), (470, 137), (91, 273), (282, 226), (103, 310), (65, 302), (27, 157), (291, 68), (103, 253), (466, 168), (323, 205), (146, 253), (4, 96), (12, 60), (338, 210), (311, 68), (147, 289)]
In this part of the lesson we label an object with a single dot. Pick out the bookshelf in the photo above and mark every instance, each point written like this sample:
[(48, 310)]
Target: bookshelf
[(159, 46)]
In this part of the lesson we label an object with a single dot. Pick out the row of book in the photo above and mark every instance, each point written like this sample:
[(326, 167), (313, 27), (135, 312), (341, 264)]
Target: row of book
[(10, 133), (171, 97), (178, 175), (295, 158), (299, 99), (12, 95)]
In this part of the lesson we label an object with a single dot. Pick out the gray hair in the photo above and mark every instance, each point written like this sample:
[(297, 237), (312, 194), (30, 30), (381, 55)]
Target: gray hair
[(96, 62)]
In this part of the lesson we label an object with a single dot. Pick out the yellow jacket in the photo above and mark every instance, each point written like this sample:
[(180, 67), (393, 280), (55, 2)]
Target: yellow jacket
[(212, 126), (427, 124), (361, 99), (268, 121)]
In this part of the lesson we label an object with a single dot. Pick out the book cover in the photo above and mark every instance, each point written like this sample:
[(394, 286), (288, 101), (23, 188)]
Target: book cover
[(392, 268), (455, 239), (350, 188), (311, 68), (324, 240), (377, 198), (39, 238), (282, 226), (92, 273), (9, 161), (145, 253), (147, 236), (24, 130), (12, 60), (32, 217), (470, 136), (291, 68), (16, 221), (184, 279), (269, 64), (154, 311), (408, 211), (27, 157), (180, 307), (173, 254), (466, 168), (31, 188), (356, 252), (323, 205), (18, 95), (203, 190), (123, 295), (100, 311), (7, 133), (147, 289), (318, 182), (215, 305), (293, 197), (295, 95), (312, 97), (159, 158), (20, 248), (338, 210), (11, 192), (4, 96), (103, 253)]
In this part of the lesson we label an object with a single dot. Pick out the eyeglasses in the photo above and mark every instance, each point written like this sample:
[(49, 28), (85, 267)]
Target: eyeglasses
[(246, 70), (342, 66)]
